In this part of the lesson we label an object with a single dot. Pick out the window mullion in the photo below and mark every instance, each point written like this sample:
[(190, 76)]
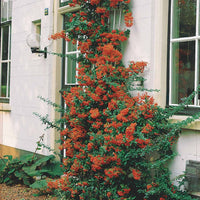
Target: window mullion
[(8, 79), (66, 48), (196, 102), (170, 56), (1, 58), (77, 54), (114, 19), (197, 18), (170, 74), (72, 52), (196, 72), (7, 12), (185, 39), (120, 16), (1, 44)]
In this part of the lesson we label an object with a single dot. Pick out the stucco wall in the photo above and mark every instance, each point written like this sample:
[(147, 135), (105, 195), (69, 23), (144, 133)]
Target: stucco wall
[(139, 45), (187, 148), (31, 76)]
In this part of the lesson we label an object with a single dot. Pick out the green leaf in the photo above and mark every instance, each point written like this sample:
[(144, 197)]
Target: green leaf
[(37, 172), (29, 169), (9, 157), (6, 179), (54, 169), (36, 195), (11, 171), (27, 180), (43, 160), (39, 184), (18, 174), (3, 163), (26, 158)]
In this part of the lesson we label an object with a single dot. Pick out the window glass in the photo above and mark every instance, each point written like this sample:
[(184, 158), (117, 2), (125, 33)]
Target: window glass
[(6, 10), (115, 19), (64, 2), (71, 47), (71, 63), (183, 74), (5, 40), (9, 10), (4, 70), (184, 18), (38, 28), (71, 69)]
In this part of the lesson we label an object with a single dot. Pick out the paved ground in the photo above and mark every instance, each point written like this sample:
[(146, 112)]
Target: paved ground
[(19, 192)]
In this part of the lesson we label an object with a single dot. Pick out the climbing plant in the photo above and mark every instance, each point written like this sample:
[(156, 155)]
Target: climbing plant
[(116, 145)]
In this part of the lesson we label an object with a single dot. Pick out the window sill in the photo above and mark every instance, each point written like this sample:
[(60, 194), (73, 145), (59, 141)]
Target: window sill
[(5, 107), (193, 126), (66, 9)]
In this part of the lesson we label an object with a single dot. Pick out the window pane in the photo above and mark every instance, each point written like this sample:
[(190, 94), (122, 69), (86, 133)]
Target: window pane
[(5, 38), (10, 10), (4, 10), (184, 18), (199, 72), (115, 19), (63, 2), (183, 70), (71, 47), (4, 69), (71, 69)]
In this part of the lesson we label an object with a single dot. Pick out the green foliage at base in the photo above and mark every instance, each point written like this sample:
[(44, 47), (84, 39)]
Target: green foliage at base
[(27, 168)]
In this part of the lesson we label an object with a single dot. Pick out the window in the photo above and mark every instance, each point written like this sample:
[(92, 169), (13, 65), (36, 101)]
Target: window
[(70, 63), (6, 10), (184, 73), (115, 20), (5, 55), (37, 27), (63, 2)]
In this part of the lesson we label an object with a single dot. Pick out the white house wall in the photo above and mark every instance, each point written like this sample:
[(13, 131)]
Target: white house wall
[(31, 76), (139, 45)]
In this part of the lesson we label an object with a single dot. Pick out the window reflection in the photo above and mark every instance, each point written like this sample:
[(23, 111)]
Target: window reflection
[(64, 2), (183, 72), (4, 70), (184, 18), (5, 38), (6, 10)]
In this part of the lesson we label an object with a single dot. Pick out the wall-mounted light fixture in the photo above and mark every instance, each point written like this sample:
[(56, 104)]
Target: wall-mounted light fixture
[(37, 50), (33, 41)]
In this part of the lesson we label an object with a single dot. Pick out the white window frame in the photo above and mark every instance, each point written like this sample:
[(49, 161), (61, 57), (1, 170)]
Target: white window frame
[(8, 62), (68, 53), (6, 23), (196, 39)]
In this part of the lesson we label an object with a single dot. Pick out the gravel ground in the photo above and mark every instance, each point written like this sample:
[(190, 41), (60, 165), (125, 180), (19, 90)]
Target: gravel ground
[(20, 192)]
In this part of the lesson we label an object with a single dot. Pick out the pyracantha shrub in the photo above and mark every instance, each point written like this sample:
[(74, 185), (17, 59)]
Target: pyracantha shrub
[(116, 145)]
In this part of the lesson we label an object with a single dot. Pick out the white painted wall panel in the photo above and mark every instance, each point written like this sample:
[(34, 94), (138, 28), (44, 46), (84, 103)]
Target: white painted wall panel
[(30, 77)]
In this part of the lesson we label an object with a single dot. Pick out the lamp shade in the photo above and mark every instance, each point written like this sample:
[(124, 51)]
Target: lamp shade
[(33, 40)]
